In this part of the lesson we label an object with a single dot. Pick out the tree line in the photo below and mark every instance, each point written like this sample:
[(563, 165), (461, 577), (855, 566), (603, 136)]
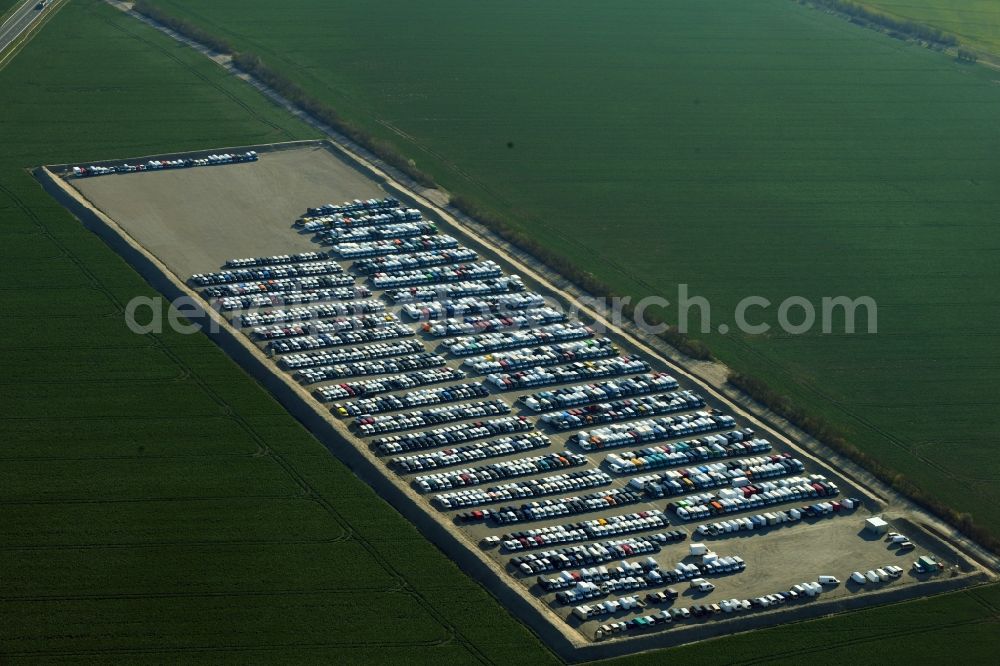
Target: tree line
[(860, 13)]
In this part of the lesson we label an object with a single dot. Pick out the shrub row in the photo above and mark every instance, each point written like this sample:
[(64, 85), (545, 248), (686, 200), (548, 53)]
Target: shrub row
[(895, 26), (965, 55), (185, 28), (829, 436)]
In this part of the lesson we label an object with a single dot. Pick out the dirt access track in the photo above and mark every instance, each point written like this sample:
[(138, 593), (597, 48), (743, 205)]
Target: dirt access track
[(170, 224)]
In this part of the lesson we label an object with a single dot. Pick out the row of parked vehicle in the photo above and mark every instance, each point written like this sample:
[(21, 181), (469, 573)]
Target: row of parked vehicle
[(798, 592), (357, 219), (623, 410), (276, 260), (266, 273), (661, 618), (546, 509), (382, 366), (875, 576), (370, 234), (737, 473), (498, 471), (455, 434), (355, 206), (376, 366), (478, 270), (573, 396), (568, 374), (547, 485), (487, 343), (472, 306), (573, 557), (600, 528), (632, 583), (500, 285), (609, 607), (381, 248), (583, 591), (490, 324), (315, 327), (278, 286), (365, 352), (771, 519), (504, 446), (542, 537), (536, 357), (901, 542), (408, 262), (311, 313), (389, 331), (647, 579), (419, 398), (400, 382), (293, 298), (713, 565), (369, 425), (652, 430), (587, 591), (731, 444), (159, 165), (681, 572), (754, 496), (568, 578)]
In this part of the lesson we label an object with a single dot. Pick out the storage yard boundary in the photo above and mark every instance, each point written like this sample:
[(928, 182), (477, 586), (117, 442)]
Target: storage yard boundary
[(366, 465)]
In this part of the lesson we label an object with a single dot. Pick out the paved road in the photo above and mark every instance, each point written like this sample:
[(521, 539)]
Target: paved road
[(19, 22)]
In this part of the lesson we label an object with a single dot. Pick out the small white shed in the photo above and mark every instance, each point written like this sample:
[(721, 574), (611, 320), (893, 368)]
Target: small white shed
[(876, 525)]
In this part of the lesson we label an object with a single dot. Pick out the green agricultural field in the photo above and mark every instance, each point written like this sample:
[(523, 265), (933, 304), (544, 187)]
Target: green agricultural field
[(743, 148), (975, 22), (155, 503), (6, 6)]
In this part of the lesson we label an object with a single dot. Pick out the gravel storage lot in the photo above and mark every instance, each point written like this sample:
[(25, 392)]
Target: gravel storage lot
[(195, 219)]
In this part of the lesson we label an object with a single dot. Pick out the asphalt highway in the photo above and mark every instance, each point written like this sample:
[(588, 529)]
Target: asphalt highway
[(19, 22)]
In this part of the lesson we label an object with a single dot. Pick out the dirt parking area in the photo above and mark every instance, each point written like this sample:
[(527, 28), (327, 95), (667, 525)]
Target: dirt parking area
[(195, 219)]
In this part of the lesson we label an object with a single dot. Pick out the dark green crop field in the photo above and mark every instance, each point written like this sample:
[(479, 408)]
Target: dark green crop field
[(155, 503), (6, 5), (742, 148)]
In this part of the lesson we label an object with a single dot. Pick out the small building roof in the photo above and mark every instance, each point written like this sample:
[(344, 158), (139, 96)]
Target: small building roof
[(875, 521)]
